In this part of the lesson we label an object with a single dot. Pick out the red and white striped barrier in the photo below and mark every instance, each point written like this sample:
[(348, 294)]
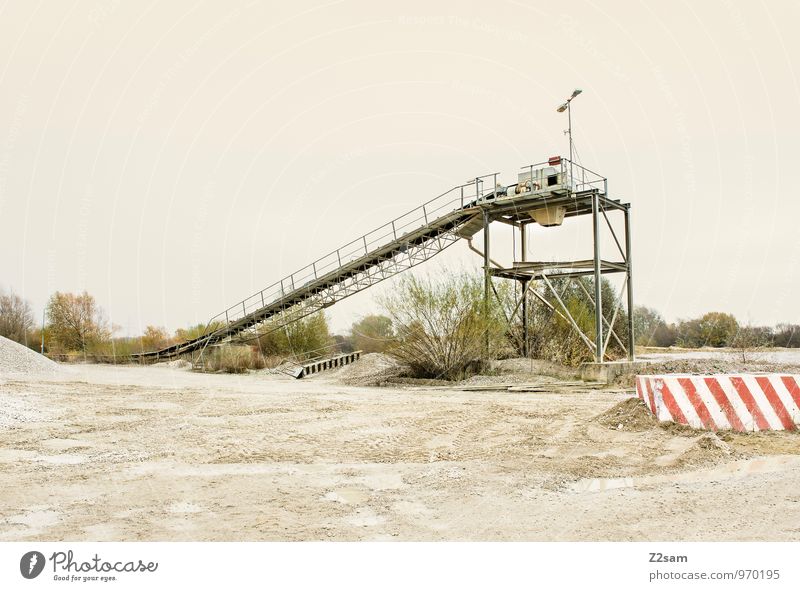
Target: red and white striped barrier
[(740, 402)]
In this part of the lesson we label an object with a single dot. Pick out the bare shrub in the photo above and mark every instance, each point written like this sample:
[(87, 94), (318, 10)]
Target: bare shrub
[(16, 317), (442, 325), (748, 340)]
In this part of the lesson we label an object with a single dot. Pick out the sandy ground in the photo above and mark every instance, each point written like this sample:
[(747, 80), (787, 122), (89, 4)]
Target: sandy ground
[(159, 453)]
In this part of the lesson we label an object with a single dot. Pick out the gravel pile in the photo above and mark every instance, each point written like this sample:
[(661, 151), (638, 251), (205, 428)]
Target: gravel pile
[(18, 360), (372, 369), (175, 364)]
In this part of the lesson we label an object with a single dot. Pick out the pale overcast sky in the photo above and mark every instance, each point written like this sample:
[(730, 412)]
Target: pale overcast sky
[(174, 157)]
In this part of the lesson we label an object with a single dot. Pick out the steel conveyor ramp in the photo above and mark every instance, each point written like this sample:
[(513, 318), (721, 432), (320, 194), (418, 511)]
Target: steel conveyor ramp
[(394, 247), (406, 241)]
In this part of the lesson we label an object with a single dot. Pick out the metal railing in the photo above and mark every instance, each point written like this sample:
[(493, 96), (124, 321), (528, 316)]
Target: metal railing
[(459, 197), (579, 177)]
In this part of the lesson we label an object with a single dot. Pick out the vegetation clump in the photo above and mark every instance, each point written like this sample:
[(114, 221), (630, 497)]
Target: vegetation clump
[(443, 327)]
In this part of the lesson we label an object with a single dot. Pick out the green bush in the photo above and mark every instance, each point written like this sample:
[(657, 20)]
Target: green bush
[(303, 338)]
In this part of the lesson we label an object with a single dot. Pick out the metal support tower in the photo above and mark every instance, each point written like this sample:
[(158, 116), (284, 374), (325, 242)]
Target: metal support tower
[(422, 233), (587, 197)]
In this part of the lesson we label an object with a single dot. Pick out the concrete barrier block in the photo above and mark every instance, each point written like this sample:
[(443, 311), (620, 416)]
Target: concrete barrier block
[(741, 402)]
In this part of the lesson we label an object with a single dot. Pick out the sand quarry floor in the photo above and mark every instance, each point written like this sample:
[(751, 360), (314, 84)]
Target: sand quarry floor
[(161, 453)]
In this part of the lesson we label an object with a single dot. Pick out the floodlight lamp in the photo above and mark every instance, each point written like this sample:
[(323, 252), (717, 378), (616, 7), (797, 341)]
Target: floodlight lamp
[(575, 93), (563, 108)]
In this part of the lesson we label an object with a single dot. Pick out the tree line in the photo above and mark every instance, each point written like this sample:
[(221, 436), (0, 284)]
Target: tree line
[(77, 327), (713, 329), (439, 326)]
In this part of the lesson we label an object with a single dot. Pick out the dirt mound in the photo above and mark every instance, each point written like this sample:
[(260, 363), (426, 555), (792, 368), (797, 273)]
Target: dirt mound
[(629, 415), (18, 360), (708, 448), (373, 369)]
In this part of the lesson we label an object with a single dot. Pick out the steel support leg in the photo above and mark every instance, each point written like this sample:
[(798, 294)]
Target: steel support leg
[(598, 301), (523, 244), (629, 287), (525, 336), (487, 278)]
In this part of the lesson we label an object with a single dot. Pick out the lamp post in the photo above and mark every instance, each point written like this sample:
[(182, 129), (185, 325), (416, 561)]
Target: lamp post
[(567, 107)]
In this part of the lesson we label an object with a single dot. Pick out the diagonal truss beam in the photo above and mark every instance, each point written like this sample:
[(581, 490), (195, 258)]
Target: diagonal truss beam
[(286, 312), (564, 308), (609, 325)]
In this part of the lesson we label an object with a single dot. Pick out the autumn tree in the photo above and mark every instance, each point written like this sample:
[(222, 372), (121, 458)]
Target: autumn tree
[(76, 322), (665, 335), (154, 338)]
